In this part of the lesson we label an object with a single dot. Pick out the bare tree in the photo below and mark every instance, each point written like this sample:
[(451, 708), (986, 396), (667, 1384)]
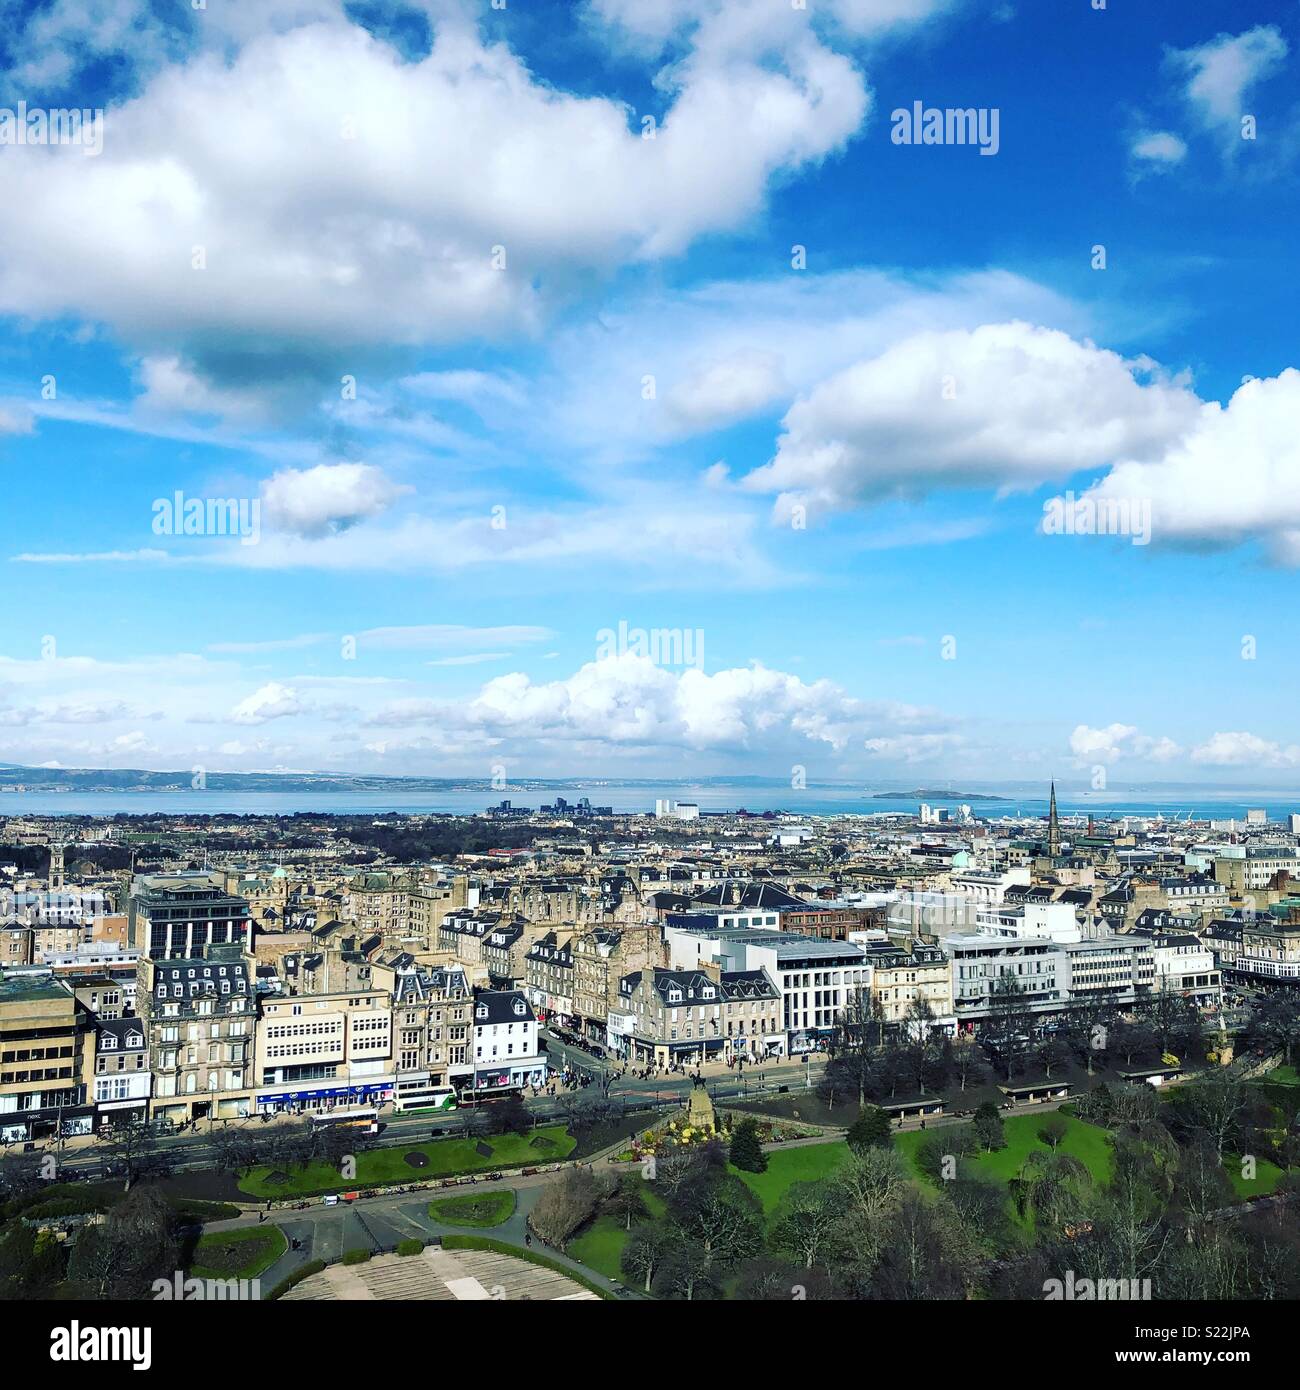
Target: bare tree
[(134, 1148), (809, 1219), (567, 1204), (645, 1252)]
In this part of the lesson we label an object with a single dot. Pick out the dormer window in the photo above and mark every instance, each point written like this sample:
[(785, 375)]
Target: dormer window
[(520, 1008)]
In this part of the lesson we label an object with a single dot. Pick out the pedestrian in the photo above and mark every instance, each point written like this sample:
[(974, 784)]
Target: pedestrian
[(528, 1238)]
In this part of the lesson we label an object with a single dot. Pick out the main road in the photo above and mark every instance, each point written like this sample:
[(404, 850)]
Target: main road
[(193, 1150)]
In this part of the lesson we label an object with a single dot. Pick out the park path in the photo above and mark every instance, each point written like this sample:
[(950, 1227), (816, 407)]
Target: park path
[(380, 1219)]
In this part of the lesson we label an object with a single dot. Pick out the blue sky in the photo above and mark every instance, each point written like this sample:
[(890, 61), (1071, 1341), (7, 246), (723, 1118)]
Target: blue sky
[(494, 373)]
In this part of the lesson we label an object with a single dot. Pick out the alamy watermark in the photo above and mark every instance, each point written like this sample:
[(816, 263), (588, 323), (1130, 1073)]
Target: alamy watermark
[(1072, 1290), (665, 646), (74, 1342), (181, 1288), (179, 515), (38, 125), (948, 125), (1098, 516)]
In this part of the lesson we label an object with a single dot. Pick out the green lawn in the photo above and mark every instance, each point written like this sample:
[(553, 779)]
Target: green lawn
[(1267, 1176), (811, 1162), (1284, 1076), (444, 1157), (238, 1254), (601, 1243), (907, 1142), (487, 1209), (601, 1246), (785, 1167), (1088, 1143)]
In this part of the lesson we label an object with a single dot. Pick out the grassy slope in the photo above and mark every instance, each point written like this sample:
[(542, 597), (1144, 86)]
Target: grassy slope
[(486, 1209), (445, 1157), (238, 1254), (785, 1167), (600, 1244)]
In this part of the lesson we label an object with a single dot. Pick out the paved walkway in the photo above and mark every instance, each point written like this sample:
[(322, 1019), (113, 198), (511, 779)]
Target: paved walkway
[(373, 1223), (378, 1220), (440, 1275)]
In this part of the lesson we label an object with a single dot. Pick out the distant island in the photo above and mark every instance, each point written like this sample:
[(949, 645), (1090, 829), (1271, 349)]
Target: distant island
[(930, 794)]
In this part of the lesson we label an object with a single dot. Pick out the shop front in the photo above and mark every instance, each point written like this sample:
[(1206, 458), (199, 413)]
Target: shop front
[(47, 1122), (323, 1099), (488, 1081)]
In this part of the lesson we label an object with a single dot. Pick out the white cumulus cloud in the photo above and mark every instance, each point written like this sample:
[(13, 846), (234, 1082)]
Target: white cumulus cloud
[(1005, 405), (1116, 741), (1234, 477), (319, 501), (304, 189), (271, 701), (1158, 149), (1241, 749)]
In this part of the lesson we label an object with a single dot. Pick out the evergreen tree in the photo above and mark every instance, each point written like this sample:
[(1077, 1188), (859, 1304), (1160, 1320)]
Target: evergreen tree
[(747, 1148), (870, 1130), (988, 1127)]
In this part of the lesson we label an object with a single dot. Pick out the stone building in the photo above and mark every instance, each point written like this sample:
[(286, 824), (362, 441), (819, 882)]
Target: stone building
[(601, 958), (200, 1018)]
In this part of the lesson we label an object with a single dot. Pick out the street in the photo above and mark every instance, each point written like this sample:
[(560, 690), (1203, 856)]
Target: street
[(193, 1150)]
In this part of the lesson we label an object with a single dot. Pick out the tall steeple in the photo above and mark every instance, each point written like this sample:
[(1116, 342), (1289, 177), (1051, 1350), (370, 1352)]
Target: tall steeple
[(56, 867), (1053, 826)]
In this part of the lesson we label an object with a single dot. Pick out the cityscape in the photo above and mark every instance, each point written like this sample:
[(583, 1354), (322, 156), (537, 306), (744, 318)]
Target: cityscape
[(648, 660), (563, 1052)]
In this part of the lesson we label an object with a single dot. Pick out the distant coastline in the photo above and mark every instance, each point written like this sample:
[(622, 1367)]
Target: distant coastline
[(924, 794)]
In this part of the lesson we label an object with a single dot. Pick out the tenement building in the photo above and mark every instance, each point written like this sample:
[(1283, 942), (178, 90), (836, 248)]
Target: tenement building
[(199, 1016)]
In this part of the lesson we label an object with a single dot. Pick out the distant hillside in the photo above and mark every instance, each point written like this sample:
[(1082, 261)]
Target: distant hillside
[(86, 779), (924, 794)]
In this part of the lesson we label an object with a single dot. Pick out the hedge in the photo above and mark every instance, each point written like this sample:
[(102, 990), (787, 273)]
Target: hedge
[(299, 1274)]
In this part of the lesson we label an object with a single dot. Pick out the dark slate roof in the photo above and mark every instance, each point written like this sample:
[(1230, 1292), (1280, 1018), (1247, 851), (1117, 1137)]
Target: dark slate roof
[(121, 1029), (501, 1006), (545, 948), (748, 984)]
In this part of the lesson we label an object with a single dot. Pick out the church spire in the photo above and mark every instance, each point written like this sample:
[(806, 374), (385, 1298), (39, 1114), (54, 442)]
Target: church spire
[(1053, 826)]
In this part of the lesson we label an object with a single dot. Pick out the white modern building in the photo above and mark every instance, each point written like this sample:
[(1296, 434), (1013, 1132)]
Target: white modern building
[(816, 979), (504, 1054), (988, 887)]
